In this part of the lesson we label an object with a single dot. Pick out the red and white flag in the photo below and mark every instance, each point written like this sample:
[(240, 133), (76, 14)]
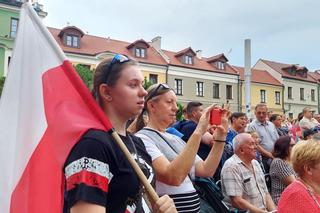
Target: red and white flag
[(44, 109)]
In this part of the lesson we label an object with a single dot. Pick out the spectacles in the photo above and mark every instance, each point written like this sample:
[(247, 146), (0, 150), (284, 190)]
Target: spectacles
[(154, 93), (117, 59)]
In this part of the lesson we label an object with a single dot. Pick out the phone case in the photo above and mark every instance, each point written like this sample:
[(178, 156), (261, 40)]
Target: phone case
[(215, 117)]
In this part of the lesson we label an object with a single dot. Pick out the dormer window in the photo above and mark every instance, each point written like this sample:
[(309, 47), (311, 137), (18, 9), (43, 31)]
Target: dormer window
[(71, 36), (140, 52), (72, 41), (220, 65), (188, 59)]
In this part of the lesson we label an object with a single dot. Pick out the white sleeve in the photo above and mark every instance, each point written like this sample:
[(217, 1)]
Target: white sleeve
[(151, 147)]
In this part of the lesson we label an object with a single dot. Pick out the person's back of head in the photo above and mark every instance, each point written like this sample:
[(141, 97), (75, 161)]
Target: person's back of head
[(194, 110)]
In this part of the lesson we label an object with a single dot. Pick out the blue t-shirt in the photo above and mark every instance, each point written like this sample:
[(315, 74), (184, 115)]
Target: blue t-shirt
[(187, 130)]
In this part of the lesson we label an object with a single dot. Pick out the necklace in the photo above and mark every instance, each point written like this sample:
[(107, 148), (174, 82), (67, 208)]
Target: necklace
[(310, 191)]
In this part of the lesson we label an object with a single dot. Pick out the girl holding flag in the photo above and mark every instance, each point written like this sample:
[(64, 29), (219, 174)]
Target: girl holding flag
[(98, 176)]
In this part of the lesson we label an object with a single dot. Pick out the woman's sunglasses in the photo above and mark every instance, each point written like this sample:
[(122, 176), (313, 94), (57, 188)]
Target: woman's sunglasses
[(154, 93), (117, 59)]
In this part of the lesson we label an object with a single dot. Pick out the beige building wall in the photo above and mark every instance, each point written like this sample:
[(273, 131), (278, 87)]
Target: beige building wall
[(189, 82), (270, 97)]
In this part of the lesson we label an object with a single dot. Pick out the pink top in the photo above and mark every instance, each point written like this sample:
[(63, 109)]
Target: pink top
[(296, 198)]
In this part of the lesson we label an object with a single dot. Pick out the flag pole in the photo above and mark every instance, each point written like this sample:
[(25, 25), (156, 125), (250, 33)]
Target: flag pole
[(149, 189)]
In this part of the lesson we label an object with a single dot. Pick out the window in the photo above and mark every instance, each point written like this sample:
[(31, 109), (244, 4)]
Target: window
[(188, 59), (220, 65), (14, 27), (199, 89), (313, 97), (140, 52), (72, 41), (302, 94), (289, 92), (290, 115), (263, 96), (153, 78), (229, 91), (216, 91), (277, 94), (178, 86)]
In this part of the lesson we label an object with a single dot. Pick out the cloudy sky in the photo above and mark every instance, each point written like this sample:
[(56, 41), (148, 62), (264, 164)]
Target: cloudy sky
[(286, 31)]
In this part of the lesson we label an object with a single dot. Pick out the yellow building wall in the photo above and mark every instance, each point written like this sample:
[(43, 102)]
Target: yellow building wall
[(161, 76), (270, 97)]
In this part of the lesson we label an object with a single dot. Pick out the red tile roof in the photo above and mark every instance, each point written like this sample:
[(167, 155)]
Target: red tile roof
[(279, 68), (94, 45), (315, 75), (185, 51), (216, 57), (200, 64), (259, 76), (138, 41)]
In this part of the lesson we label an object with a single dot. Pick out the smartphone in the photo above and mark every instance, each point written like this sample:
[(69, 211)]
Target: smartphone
[(215, 117)]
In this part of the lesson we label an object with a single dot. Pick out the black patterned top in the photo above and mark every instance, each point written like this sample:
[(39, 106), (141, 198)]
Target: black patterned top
[(279, 170)]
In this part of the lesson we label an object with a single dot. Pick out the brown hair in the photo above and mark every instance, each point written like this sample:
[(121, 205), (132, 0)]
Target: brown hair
[(282, 147), (114, 74), (261, 105), (151, 92)]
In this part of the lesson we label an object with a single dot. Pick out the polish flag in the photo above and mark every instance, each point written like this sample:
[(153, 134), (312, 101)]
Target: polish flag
[(44, 109)]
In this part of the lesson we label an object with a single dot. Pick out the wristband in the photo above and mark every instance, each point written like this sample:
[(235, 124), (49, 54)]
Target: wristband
[(220, 141)]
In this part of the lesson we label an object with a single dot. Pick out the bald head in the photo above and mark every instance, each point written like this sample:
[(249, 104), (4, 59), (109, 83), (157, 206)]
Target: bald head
[(240, 140), (244, 147)]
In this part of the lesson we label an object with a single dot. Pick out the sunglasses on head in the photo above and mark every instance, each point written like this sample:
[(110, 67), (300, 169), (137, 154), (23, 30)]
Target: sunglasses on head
[(117, 59), (154, 93)]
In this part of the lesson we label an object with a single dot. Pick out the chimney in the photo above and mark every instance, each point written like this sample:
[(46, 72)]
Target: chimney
[(199, 54), (156, 43)]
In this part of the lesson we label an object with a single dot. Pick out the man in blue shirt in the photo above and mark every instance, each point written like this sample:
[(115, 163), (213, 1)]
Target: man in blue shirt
[(194, 111)]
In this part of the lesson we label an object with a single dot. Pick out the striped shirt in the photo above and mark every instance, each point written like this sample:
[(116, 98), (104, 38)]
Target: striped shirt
[(187, 202)]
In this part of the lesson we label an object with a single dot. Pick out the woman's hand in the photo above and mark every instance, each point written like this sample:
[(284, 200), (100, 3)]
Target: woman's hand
[(220, 131), (164, 205), (203, 124)]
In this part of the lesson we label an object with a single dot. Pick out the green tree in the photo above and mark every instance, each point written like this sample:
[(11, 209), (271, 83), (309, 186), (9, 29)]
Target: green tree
[(146, 83), (2, 79), (179, 115), (86, 74)]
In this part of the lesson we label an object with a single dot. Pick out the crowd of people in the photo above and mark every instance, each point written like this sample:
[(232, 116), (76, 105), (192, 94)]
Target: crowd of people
[(267, 165)]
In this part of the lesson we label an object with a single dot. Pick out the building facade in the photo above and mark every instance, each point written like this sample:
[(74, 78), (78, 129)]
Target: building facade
[(300, 88), (264, 89), (9, 18), (89, 50)]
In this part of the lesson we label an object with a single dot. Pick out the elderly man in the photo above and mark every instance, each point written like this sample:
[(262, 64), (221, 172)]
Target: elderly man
[(242, 180), (267, 133), (308, 122)]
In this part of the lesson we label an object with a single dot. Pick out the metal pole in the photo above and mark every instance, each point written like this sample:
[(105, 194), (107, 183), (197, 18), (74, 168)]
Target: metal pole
[(247, 75)]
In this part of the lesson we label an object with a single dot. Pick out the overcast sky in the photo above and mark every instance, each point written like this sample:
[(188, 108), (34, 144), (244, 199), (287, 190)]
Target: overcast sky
[(286, 31)]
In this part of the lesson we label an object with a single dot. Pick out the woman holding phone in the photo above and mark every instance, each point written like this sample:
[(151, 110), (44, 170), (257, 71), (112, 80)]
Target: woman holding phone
[(175, 162)]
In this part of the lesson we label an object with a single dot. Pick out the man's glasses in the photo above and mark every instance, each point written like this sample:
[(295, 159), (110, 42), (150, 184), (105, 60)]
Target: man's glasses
[(117, 59), (154, 93)]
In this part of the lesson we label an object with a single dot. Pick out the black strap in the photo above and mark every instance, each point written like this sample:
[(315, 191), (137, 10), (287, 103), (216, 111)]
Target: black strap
[(152, 130)]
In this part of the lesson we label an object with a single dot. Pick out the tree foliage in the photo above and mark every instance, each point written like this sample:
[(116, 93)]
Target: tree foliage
[(85, 74), (146, 83), (179, 115)]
